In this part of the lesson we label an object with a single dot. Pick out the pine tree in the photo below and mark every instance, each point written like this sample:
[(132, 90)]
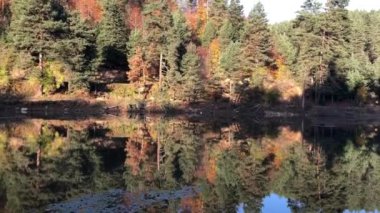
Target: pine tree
[(158, 22), (112, 37), (78, 48), (218, 13), (135, 39), (230, 65), (193, 87), (36, 26), (236, 17), (227, 33), (209, 34), (180, 36), (256, 41), (307, 40)]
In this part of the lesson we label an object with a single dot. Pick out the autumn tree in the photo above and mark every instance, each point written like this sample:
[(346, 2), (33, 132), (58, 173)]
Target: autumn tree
[(137, 67)]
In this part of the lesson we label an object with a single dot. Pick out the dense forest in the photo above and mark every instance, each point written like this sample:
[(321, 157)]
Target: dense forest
[(167, 52)]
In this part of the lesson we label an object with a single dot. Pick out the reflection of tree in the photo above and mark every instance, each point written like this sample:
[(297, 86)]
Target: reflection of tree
[(330, 170), (49, 169), (348, 180)]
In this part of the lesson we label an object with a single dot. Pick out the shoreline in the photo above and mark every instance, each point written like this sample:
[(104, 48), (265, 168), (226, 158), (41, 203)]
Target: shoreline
[(92, 107)]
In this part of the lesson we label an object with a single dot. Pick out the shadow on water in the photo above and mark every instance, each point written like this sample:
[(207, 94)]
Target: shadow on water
[(64, 110), (154, 163)]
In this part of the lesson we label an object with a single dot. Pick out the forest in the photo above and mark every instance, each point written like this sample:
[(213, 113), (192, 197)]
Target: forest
[(167, 53)]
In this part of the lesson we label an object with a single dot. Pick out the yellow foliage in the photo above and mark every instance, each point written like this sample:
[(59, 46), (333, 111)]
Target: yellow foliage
[(258, 77), (214, 55), (129, 91), (54, 148), (202, 18), (282, 72), (57, 70), (5, 66)]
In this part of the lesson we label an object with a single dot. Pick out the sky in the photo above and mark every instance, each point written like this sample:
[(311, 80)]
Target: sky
[(282, 10)]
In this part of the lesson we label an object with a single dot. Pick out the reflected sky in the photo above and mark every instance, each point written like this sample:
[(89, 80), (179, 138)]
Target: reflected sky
[(275, 203)]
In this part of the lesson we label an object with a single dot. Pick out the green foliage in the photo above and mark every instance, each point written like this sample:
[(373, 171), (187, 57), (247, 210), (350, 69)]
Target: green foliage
[(112, 37), (209, 34), (229, 61), (78, 48), (217, 13), (52, 77), (37, 25), (193, 87), (256, 41), (236, 17), (227, 33), (180, 36), (135, 39)]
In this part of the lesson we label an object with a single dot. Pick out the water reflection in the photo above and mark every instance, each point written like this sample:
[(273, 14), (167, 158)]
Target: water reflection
[(239, 166)]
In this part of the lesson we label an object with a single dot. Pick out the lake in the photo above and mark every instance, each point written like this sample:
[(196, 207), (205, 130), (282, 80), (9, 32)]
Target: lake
[(179, 164)]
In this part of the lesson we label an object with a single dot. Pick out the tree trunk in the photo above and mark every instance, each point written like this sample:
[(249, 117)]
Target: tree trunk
[(160, 71), (41, 67)]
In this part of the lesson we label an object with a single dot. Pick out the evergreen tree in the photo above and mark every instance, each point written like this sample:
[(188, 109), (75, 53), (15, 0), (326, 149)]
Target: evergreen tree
[(209, 34), (308, 41), (218, 13), (236, 18), (193, 87), (112, 37), (158, 22), (37, 26), (180, 36), (78, 48), (230, 65), (256, 41), (227, 33), (135, 39)]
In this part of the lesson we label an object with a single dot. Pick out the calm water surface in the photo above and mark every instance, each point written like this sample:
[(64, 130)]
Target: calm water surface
[(157, 164)]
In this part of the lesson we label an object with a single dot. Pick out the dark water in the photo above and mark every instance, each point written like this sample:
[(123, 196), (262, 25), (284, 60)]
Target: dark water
[(179, 165)]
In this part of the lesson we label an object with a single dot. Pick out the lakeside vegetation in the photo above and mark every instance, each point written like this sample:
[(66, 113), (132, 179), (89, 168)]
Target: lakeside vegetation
[(167, 53)]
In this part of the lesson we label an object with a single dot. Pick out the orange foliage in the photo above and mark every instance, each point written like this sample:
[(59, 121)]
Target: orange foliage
[(202, 16), (89, 9), (192, 20), (172, 5), (135, 17), (203, 53), (137, 153), (211, 170), (3, 3), (192, 204), (279, 146), (282, 80), (137, 66)]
